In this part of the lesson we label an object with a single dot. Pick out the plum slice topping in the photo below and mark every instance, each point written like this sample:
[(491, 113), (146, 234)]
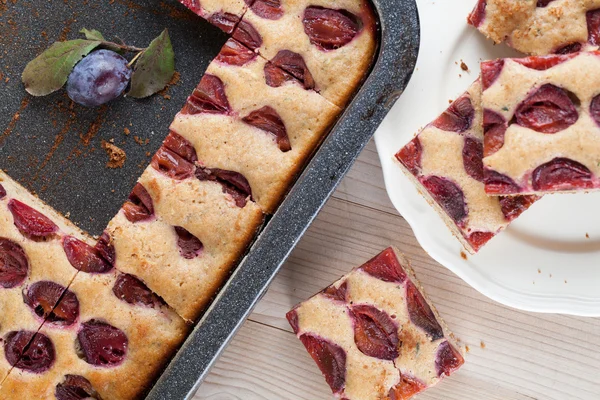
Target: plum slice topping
[(421, 313), (2, 192), (330, 29), (101, 344), (269, 9), (375, 333), (478, 239), (497, 183), (330, 358), (208, 97), (30, 222), (337, 293), (494, 128), (593, 24), (29, 351), (235, 53), (513, 206), (561, 174), (447, 359), (189, 245), (406, 388), (458, 117), (473, 158), (385, 266), (490, 71), (52, 302), (448, 195), (133, 291), (549, 109), (14, 264), (233, 183), (478, 14), (293, 63), (106, 249), (139, 206), (268, 120), (176, 157), (410, 156), (75, 387), (222, 20), (84, 257), (246, 33)]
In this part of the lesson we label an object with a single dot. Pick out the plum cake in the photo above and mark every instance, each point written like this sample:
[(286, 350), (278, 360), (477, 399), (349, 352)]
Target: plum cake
[(374, 334), (444, 161), (540, 27), (37, 264), (223, 14), (249, 116), (327, 45), (541, 124), (116, 342)]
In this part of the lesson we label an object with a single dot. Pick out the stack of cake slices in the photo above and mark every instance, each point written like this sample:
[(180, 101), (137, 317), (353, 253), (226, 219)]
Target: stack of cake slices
[(527, 127), (86, 318)]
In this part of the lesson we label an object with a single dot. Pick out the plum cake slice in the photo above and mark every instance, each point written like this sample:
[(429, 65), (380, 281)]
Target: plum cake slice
[(542, 124), (540, 27), (37, 264), (327, 45), (444, 161), (235, 120), (184, 227), (375, 335), (121, 337), (223, 14)]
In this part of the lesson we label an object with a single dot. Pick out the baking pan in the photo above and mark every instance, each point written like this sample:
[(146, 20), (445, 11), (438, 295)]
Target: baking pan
[(54, 148)]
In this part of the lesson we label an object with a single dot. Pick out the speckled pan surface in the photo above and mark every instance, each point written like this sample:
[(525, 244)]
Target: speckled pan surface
[(59, 147)]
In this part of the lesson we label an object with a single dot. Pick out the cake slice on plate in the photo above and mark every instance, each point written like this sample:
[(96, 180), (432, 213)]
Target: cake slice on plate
[(540, 27), (374, 335), (444, 161), (542, 124)]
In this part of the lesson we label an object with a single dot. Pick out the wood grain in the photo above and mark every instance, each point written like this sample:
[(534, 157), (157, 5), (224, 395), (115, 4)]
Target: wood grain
[(526, 355)]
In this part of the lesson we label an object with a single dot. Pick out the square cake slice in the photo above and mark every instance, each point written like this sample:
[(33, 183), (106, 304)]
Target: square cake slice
[(328, 45), (542, 124), (224, 14), (540, 27), (238, 119), (123, 335), (36, 267), (444, 161), (374, 335)]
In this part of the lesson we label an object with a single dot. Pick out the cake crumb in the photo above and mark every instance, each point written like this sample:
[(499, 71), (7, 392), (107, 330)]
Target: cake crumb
[(463, 66), (482, 345), (116, 155), (463, 255), (126, 131), (467, 349), (587, 235), (539, 271)]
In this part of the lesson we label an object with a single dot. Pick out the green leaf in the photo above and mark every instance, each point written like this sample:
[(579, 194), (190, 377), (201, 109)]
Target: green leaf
[(92, 34), (49, 71), (154, 68)]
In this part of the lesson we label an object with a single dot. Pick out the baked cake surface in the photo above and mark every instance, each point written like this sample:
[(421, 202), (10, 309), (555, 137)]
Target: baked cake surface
[(187, 237), (374, 334), (542, 124), (540, 27), (241, 118), (121, 338), (34, 269), (328, 44), (444, 161)]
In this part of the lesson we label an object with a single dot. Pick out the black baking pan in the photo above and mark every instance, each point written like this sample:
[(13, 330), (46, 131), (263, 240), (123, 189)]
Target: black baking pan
[(53, 147)]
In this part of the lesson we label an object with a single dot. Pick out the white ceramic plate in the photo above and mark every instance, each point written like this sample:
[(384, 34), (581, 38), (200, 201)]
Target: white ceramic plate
[(544, 261)]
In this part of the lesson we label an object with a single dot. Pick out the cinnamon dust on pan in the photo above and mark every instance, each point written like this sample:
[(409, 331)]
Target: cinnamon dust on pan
[(116, 155)]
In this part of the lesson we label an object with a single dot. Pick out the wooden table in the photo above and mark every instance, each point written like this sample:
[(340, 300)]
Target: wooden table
[(511, 354)]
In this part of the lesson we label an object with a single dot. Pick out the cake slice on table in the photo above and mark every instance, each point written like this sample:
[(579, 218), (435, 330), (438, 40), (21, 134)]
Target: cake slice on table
[(542, 124), (444, 161), (121, 337), (540, 27), (374, 335), (328, 45), (36, 267)]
